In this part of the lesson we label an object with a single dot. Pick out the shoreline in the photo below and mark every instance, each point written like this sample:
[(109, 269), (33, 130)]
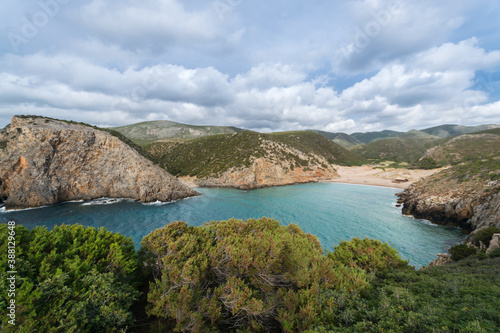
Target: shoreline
[(368, 175), (361, 175)]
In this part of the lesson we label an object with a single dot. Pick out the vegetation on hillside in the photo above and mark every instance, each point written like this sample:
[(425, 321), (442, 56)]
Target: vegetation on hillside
[(446, 131), (409, 150), (150, 131), (342, 139), (213, 155), (429, 153), (465, 148), (239, 276), (374, 136)]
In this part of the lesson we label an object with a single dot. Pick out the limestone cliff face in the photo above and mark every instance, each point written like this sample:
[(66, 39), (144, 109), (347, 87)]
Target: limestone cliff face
[(472, 206), (44, 161), (264, 173)]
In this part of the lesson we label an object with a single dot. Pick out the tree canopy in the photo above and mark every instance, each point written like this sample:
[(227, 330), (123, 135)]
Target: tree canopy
[(70, 279), (249, 276)]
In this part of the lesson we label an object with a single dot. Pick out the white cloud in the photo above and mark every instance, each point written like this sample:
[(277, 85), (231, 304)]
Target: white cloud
[(433, 87), (150, 24), (385, 30), (261, 65)]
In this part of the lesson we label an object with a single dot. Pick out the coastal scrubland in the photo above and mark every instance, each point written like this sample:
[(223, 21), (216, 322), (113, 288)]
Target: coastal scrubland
[(239, 276), (432, 152), (213, 155)]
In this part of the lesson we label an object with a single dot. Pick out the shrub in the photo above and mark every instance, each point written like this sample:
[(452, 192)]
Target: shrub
[(461, 251), (427, 163), (495, 253), (368, 254), (248, 276), (485, 235), (71, 279)]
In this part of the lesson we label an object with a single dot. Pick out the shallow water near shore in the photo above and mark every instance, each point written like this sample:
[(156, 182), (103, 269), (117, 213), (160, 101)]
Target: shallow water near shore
[(331, 211)]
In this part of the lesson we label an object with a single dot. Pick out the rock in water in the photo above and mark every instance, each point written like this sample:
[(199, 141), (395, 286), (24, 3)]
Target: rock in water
[(45, 161)]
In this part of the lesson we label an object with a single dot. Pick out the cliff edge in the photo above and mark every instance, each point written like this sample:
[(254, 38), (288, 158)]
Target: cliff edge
[(45, 161), (466, 195)]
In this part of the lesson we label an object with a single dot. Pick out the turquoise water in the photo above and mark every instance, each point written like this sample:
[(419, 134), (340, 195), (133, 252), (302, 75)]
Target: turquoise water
[(331, 211)]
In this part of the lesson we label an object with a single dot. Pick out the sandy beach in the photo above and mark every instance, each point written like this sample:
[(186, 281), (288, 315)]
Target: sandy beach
[(367, 175), (364, 175)]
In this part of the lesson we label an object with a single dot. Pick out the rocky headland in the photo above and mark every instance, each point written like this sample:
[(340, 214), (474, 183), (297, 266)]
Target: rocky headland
[(45, 161), (460, 196)]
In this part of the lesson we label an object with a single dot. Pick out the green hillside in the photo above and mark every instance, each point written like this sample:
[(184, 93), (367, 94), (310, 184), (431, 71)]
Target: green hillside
[(490, 131), (417, 134), (408, 150), (147, 132), (213, 155), (374, 136), (467, 147), (342, 139), (445, 131)]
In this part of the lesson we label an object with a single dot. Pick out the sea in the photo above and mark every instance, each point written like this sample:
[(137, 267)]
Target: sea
[(331, 211)]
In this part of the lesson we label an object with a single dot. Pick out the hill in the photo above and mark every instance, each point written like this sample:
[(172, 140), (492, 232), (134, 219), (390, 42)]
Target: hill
[(463, 148), (445, 131), (342, 139), (414, 134), (399, 150), (45, 161), (374, 136), (147, 132), (251, 160)]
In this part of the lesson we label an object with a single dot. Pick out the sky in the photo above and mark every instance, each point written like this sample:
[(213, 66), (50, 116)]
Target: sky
[(338, 66)]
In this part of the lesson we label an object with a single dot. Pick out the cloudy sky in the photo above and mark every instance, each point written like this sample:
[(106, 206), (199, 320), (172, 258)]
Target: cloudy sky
[(264, 65)]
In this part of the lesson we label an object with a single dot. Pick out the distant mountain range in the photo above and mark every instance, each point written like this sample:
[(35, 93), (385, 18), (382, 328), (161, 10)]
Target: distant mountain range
[(147, 132), (443, 131)]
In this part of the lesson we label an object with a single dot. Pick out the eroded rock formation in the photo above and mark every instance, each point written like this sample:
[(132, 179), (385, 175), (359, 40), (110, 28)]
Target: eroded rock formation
[(45, 161), (470, 206)]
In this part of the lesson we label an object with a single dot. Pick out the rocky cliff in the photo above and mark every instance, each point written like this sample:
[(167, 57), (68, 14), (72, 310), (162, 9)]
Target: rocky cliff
[(471, 202), (45, 161)]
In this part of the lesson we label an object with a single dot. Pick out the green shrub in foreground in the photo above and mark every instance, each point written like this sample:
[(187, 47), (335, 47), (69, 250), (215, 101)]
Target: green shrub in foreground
[(70, 279), (460, 297), (243, 276), (368, 254)]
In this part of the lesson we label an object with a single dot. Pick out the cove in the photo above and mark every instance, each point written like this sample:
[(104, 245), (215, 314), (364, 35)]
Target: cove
[(331, 211)]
